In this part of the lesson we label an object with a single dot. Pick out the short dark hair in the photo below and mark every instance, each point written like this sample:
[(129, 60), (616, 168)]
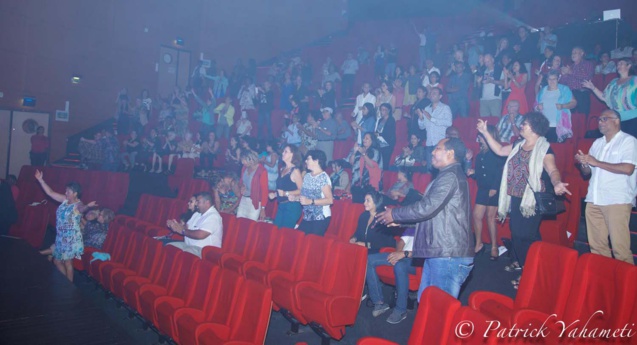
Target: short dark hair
[(371, 111), (318, 155), (206, 196), (538, 122), (551, 48), (388, 106), (75, 187), (420, 87), (458, 147), (378, 200)]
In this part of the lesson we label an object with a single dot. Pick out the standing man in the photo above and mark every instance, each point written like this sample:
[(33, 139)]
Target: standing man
[(365, 97), (612, 189), (442, 217), (265, 98), (458, 90), (422, 47), (39, 148), (326, 133), (490, 79), (574, 76), (434, 119), (349, 69), (203, 229)]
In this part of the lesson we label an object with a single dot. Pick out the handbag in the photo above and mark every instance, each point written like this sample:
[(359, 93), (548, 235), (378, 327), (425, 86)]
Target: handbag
[(546, 204)]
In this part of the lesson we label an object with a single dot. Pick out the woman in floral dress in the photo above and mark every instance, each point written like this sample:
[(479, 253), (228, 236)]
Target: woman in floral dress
[(68, 239)]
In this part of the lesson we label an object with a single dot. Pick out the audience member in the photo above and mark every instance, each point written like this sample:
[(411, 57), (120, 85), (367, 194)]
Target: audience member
[(367, 122), (489, 80), (206, 113), (288, 188), (612, 189), (244, 126), (225, 120), (515, 78), (384, 95), (209, 151), (316, 195), (621, 95), (361, 100), (110, 151), (509, 124), (168, 148), (247, 94), (253, 186), (555, 65), (488, 174), (68, 238), (413, 153), (555, 102), (205, 227), (349, 69), (422, 102), (524, 48), (458, 91), (270, 161), (265, 99), (343, 129), (443, 226), (132, 147), (547, 39), (327, 95), (434, 119), (574, 77), (226, 193), (401, 188), (326, 133), (413, 81), (40, 144), (385, 132), (606, 65), (530, 167), (95, 232), (370, 234), (308, 134), (367, 166), (339, 177)]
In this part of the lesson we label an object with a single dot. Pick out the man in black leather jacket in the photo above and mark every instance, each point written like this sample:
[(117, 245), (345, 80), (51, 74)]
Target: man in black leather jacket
[(443, 222)]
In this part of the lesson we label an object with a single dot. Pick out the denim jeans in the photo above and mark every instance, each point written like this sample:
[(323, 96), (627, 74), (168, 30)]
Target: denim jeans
[(223, 131), (446, 273), (288, 214), (401, 273)]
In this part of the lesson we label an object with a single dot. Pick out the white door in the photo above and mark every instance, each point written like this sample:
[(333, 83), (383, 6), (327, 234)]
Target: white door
[(5, 123), (21, 128)]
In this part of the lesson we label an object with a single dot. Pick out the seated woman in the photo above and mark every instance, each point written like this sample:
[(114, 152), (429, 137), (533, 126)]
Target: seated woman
[(226, 193), (606, 65), (233, 154), (413, 154), (340, 177), (401, 188), (95, 231), (187, 147), (149, 145), (369, 234), (209, 151), (169, 148), (367, 168), (244, 126)]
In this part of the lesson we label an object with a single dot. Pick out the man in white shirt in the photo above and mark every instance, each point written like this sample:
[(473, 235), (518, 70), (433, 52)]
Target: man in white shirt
[(490, 78), (365, 97), (612, 188), (434, 119), (401, 260), (349, 69), (204, 228)]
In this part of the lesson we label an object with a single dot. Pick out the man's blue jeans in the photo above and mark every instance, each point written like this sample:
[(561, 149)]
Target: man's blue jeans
[(446, 273), (401, 272)]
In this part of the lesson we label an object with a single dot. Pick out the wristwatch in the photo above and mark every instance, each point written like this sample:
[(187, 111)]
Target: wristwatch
[(406, 252)]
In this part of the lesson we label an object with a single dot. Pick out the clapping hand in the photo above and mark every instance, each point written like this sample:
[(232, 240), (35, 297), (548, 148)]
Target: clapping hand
[(586, 159), (482, 126)]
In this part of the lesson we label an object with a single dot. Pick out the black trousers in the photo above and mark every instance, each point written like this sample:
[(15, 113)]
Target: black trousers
[(38, 159), (524, 231), (315, 227), (583, 98)]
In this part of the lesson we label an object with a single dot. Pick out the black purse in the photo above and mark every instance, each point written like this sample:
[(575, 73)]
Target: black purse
[(546, 204)]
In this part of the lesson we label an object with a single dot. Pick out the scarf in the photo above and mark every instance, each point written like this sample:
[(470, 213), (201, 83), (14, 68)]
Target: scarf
[(527, 206)]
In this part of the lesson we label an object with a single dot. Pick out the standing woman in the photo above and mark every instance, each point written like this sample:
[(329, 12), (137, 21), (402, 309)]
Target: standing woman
[(254, 187), (555, 101), (316, 195), (68, 239), (270, 162), (288, 188), (621, 95), (530, 166), (386, 132), (516, 78), (488, 174)]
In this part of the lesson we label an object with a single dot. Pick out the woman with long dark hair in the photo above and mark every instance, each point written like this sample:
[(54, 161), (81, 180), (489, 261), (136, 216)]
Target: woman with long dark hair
[(288, 187)]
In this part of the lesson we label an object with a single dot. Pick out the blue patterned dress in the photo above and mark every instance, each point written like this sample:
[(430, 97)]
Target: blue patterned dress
[(68, 240)]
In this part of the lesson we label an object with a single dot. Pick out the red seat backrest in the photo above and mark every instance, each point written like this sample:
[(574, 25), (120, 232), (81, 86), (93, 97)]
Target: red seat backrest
[(200, 289), (169, 264), (223, 297), (475, 334), (245, 234), (345, 272), (564, 156), (190, 186), (547, 278), (288, 249), (251, 313), (266, 234), (434, 317), (182, 279), (312, 262)]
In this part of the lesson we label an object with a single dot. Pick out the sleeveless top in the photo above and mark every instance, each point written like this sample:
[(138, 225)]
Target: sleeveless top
[(285, 184)]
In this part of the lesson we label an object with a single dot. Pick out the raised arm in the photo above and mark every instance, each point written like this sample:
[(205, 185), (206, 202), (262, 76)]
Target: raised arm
[(53, 195), (496, 147)]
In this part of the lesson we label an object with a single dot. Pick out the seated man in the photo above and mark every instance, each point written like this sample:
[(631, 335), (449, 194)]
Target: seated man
[(401, 260), (203, 229)]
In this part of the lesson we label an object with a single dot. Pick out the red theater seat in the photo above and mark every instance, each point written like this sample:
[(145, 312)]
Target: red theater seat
[(387, 276), (470, 335), (218, 310), (331, 304), (197, 295), (240, 246), (263, 246), (249, 322), (152, 250), (184, 169), (433, 320), (544, 286), (282, 259), (190, 186)]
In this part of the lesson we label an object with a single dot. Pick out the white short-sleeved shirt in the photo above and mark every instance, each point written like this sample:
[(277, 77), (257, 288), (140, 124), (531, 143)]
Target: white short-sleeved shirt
[(605, 187), (210, 222), (409, 243)]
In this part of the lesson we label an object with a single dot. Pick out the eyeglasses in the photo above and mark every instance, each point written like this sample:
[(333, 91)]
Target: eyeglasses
[(606, 118)]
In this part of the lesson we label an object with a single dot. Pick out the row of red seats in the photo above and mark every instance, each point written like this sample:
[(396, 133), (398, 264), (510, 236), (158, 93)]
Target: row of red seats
[(108, 188), (314, 280), (188, 299), (596, 290)]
